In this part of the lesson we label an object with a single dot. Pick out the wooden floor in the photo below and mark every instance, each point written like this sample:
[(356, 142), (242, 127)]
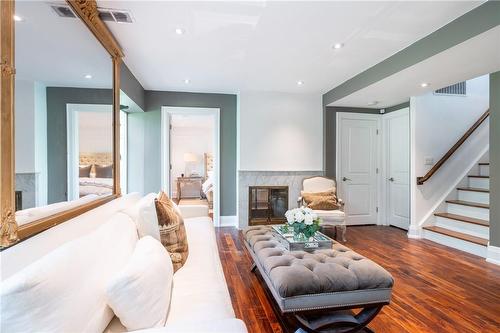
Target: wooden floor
[(437, 289)]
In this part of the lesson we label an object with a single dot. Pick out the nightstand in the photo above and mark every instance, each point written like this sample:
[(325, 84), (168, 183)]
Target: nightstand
[(183, 182)]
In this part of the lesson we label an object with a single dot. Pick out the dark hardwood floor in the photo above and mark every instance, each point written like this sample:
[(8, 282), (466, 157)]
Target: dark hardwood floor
[(437, 289)]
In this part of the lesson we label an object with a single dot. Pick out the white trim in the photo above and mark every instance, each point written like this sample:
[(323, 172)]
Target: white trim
[(73, 144), (166, 113), (228, 221), (338, 151), (493, 255), (384, 199), (414, 230), (124, 152)]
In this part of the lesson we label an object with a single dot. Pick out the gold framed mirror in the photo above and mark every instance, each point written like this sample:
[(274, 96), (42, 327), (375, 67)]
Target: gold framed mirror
[(77, 166)]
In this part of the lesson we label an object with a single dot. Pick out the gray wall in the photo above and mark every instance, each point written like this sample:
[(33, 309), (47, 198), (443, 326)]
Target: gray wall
[(145, 148), (330, 118), (57, 98), (131, 86), (495, 159)]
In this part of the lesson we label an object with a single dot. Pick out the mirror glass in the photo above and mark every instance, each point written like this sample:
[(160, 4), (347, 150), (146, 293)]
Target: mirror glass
[(63, 112)]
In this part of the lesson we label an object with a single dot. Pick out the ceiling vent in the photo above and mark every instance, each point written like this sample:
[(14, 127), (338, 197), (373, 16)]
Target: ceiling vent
[(63, 10), (106, 14), (457, 89)]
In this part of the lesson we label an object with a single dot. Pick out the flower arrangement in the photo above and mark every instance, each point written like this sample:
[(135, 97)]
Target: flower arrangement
[(303, 221)]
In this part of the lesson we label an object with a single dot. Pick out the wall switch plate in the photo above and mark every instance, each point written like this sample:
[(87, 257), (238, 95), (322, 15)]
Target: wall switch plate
[(429, 161)]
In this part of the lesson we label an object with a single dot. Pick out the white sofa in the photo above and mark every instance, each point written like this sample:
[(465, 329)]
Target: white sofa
[(57, 278)]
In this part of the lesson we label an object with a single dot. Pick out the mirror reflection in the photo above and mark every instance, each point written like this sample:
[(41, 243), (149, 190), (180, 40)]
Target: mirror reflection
[(63, 113)]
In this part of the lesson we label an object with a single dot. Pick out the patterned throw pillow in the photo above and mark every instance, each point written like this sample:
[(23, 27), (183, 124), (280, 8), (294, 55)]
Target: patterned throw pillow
[(172, 230), (85, 171), (321, 200)]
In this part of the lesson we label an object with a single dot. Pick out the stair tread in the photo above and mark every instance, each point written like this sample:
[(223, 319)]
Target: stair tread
[(478, 176), (463, 218), (459, 235), (474, 189), (469, 203)]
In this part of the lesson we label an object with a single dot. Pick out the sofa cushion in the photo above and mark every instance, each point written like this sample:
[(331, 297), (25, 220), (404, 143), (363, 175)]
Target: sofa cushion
[(207, 326), (64, 290), (172, 230), (140, 293), (143, 213), (330, 216), (200, 289)]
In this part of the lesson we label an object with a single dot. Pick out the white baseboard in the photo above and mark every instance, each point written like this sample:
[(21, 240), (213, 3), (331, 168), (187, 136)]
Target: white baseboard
[(493, 255), (229, 221), (414, 232)]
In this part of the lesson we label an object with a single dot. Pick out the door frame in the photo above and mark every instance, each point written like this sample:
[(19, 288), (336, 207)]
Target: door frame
[(384, 205), (72, 143), (338, 151), (166, 113)]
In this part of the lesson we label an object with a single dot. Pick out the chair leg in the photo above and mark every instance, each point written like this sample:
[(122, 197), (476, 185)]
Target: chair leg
[(344, 229)]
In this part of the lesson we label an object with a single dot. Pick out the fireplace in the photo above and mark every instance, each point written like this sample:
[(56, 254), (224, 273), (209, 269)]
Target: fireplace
[(267, 204)]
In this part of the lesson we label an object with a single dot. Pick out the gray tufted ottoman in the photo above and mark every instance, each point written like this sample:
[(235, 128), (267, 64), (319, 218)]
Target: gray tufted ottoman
[(314, 290)]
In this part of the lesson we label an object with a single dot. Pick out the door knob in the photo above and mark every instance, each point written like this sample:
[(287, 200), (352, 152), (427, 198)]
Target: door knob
[(344, 179), (391, 179)]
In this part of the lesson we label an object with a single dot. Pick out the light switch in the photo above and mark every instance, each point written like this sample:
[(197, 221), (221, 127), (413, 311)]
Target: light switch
[(429, 161)]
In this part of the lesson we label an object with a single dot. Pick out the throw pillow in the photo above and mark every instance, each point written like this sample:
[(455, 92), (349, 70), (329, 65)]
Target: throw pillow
[(140, 293), (85, 171), (143, 213), (321, 200), (172, 230), (103, 171)]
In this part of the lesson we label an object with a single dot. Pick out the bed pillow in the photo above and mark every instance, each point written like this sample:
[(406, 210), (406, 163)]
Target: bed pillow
[(143, 213), (172, 231), (85, 171), (103, 171), (140, 293), (321, 200)]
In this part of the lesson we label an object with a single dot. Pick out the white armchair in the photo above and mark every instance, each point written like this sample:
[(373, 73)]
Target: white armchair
[(330, 218)]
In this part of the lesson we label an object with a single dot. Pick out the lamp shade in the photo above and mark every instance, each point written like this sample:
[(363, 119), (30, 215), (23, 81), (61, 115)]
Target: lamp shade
[(190, 157)]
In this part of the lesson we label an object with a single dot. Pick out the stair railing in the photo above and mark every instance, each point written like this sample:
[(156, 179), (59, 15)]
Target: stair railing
[(439, 164)]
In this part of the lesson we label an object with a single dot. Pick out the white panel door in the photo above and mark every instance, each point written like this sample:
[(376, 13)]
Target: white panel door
[(357, 178), (397, 140)]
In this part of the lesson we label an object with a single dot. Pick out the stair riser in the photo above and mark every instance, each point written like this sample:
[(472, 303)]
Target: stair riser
[(472, 196), (479, 182), (456, 243), (484, 170), (478, 213), (463, 227)]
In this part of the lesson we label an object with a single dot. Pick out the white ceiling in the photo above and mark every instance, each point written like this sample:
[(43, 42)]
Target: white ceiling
[(475, 57), (58, 51), (266, 45)]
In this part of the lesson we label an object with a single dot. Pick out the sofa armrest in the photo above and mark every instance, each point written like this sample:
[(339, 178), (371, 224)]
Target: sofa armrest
[(232, 325), (189, 211)]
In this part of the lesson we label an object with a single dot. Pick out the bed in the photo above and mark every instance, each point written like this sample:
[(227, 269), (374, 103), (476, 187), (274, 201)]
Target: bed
[(209, 183), (96, 174)]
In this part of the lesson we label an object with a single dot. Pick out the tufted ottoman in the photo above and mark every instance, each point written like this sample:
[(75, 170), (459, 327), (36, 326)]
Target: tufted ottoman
[(315, 290)]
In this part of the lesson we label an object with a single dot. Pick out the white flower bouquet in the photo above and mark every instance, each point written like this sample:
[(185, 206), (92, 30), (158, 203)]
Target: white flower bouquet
[(303, 221)]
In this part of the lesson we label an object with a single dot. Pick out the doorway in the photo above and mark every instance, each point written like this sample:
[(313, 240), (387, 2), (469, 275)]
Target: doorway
[(190, 156)]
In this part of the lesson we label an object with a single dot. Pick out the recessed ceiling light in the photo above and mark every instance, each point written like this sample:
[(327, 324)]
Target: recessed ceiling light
[(17, 18), (373, 103), (424, 84), (299, 83), (187, 81), (338, 46), (179, 31), (88, 76)]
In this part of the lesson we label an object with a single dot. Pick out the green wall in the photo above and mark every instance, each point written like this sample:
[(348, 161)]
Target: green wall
[(495, 159), (145, 145), (57, 98)]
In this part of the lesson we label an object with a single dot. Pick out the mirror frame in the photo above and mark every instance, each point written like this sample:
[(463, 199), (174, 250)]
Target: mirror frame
[(10, 233)]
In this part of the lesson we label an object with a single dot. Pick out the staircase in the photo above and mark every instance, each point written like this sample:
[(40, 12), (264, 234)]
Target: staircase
[(465, 223)]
